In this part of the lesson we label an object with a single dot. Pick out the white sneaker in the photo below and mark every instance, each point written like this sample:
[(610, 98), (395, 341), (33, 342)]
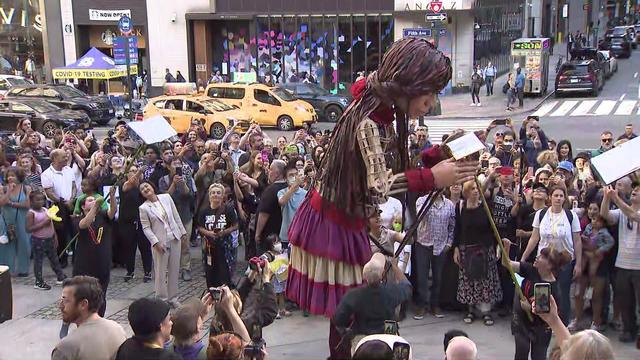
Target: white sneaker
[(473, 104), (573, 325), (479, 105)]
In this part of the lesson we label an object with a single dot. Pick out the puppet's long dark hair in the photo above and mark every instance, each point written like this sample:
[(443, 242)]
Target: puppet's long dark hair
[(410, 68)]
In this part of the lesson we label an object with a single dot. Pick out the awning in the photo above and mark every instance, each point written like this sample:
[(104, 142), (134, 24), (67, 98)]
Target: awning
[(93, 65)]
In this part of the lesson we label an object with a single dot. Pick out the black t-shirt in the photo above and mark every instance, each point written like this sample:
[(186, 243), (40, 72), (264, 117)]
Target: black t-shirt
[(269, 205), (531, 277), (525, 217), (130, 202), (93, 249), (501, 209), (221, 218), (133, 349)]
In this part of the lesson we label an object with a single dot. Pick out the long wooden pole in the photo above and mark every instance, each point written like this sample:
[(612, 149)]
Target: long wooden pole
[(505, 255)]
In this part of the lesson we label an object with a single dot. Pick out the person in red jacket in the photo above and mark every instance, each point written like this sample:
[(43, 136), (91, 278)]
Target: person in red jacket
[(366, 161)]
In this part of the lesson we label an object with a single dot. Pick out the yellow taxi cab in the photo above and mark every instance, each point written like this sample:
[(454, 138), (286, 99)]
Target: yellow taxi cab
[(216, 116), (267, 106)]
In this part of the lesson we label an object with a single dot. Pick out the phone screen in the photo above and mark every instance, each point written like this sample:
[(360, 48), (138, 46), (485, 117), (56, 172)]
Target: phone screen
[(179, 171), (391, 327), (401, 351), (500, 122), (484, 164), (542, 292)]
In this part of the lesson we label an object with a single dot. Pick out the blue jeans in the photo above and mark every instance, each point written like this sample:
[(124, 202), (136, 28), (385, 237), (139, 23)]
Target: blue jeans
[(564, 286), (425, 260), (488, 80)]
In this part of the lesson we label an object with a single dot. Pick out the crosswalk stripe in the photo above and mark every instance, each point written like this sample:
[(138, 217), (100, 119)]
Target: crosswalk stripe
[(583, 108), (544, 109), (625, 107), (605, 107), (437, 128), (564, 108)]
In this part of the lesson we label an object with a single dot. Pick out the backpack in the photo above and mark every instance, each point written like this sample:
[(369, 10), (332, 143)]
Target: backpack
[(569, 214)]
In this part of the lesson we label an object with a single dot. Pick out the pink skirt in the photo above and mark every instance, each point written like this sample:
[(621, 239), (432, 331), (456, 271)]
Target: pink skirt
[(328, 251)]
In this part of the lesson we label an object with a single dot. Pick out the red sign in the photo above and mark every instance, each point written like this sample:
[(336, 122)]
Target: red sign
[(435, 6)]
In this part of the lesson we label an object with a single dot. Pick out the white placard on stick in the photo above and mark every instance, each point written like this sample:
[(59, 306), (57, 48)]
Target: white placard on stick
[(617, 162), (465, 146), (153, 130)]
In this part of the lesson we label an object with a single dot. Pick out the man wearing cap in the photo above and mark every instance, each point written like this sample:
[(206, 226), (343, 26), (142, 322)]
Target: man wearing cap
[(151, 324), (583, 170), (500, 193), (564, 177), (369, 306)]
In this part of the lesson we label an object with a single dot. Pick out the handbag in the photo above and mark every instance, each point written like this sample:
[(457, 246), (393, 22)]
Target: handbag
[(12, 232), (505, 88), (476, 262)]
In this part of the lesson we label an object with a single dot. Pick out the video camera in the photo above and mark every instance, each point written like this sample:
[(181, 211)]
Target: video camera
[(261, 261)]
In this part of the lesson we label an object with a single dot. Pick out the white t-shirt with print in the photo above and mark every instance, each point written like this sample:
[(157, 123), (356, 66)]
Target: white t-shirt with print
[(390, 209), (628, 241), (556, 230)]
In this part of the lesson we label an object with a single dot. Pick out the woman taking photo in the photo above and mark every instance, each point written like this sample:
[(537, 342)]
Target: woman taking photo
[(14, 197), (256, 171), (558, 228), (28, 166), (215, 224), (93, 249), (23, 128), (475, 255), (533, 336), (163, 228)]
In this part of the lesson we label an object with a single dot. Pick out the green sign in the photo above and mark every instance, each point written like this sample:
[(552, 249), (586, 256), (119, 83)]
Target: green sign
[(245, 77)]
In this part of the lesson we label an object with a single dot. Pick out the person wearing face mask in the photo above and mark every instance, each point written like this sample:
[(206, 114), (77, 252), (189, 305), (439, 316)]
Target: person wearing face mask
[(216, 222)]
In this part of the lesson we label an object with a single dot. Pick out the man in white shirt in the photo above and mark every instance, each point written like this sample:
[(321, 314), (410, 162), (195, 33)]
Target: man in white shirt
[(96, 338), (627, 261), (58, 182)]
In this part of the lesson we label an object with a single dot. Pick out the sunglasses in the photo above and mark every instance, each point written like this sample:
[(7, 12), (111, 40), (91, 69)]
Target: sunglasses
[(499, 134), (607, 140)]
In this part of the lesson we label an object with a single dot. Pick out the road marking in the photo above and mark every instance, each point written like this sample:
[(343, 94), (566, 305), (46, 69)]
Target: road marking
[(622, 97), (437, 128), (564, 108), (635, 75), (544, 109), (605, 107), (625, 107), (584, 108)]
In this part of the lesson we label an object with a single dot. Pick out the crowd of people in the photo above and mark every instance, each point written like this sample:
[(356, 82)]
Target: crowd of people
[(96, 204)]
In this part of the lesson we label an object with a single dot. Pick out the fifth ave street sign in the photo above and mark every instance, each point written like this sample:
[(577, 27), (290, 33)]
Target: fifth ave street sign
[(436, 17)]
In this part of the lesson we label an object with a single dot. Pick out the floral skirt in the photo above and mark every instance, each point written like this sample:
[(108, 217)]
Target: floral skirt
[(487, 290)]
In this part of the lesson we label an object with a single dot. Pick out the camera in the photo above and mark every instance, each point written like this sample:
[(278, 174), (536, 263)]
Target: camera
[(253, 350)]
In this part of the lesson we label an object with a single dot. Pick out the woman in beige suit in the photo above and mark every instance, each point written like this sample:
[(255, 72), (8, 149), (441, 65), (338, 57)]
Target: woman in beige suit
[(162, 226)]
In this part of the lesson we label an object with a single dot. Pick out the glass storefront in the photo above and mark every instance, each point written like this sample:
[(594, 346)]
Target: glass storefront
[(329, 49), (21, 51)]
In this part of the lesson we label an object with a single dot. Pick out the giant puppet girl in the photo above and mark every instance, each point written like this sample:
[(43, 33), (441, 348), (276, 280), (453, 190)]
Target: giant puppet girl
[(366, 161)]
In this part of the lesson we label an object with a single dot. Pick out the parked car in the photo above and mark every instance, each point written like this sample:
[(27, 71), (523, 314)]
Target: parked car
[(618, 45), (98, 108), (45, 117), (579, 76), (216, 116), (613, 62), (9, 81), (268, 106), (328, 106), (592, 54)]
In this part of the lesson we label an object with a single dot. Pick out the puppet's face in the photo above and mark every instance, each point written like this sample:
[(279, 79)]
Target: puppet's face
[(421, 105)]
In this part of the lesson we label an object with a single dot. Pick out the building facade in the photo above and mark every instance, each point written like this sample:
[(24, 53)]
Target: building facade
[(21, 44)]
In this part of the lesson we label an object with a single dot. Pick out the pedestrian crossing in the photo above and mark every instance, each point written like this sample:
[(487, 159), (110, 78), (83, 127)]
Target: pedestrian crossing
[(437, 128), (589, 108)]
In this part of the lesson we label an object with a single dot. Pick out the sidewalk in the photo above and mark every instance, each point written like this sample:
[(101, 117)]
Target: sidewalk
[(458, 106)]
